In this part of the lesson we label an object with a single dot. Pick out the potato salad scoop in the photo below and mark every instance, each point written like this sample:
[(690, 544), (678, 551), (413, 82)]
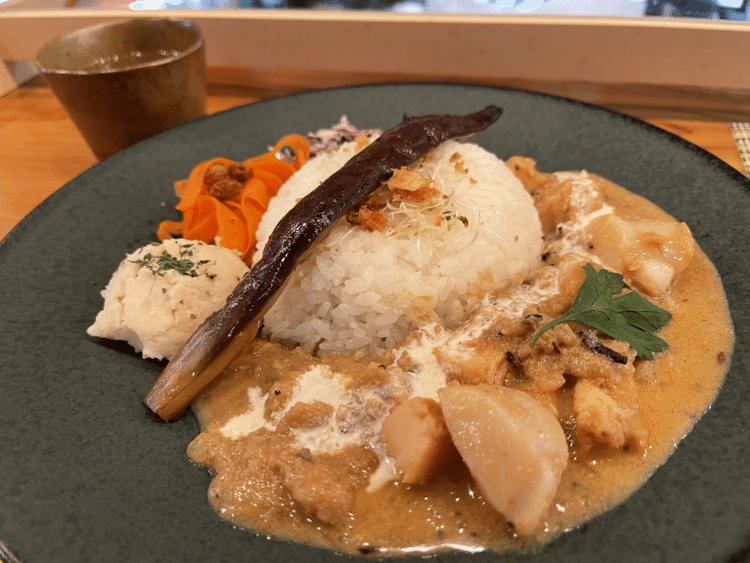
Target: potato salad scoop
[(227, 331)]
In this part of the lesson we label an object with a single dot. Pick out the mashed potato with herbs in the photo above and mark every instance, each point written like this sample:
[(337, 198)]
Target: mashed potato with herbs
[(163, 291)]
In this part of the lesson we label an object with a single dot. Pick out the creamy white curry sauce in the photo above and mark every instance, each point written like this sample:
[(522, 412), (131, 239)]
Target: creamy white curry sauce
[(308, 448)]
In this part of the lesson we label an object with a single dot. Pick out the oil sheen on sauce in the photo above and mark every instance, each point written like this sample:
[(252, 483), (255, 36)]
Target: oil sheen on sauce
[(250, 484)]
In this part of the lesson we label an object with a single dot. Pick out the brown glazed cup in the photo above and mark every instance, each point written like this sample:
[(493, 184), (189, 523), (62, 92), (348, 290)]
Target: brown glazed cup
[(122, 82)]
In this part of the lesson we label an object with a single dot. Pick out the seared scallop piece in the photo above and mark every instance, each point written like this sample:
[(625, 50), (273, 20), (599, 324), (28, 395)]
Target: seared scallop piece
[(416, 438), (513, 446)]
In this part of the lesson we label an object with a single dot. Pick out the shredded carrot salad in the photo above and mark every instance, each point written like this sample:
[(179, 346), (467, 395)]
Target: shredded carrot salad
[(222, 201)]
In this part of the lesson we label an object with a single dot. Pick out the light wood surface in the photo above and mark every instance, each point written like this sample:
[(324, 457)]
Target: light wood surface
[(41, 149), (680, 52)]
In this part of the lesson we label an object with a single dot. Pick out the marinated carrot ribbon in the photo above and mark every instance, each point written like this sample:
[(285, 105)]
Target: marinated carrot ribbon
[(222, 201)]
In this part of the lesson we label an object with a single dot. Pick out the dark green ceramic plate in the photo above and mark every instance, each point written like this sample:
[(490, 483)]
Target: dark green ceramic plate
[(87, 474)]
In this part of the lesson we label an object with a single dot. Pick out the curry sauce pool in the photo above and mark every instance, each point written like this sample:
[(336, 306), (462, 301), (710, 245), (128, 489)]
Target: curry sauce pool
[(294, 440)]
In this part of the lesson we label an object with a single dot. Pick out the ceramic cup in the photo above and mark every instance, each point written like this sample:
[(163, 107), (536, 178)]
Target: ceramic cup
[(124, 81)]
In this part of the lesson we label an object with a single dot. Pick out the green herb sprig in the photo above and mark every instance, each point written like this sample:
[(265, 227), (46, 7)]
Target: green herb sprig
[(161, 263), (629, 317)]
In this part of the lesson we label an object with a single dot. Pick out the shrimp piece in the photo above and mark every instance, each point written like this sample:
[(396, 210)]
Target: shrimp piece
[(648, 253)]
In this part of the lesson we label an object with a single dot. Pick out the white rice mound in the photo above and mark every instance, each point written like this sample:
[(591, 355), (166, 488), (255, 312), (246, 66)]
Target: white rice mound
[(366, 290), (156, 308)]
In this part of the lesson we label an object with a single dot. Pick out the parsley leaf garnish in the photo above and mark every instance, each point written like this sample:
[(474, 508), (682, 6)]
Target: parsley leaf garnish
[(629, 317)]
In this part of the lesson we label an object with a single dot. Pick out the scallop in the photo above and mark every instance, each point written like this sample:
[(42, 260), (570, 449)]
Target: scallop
[(514, 448)]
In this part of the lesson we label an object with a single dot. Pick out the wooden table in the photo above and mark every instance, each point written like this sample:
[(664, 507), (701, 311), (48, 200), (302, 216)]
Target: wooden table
[(42, 150)]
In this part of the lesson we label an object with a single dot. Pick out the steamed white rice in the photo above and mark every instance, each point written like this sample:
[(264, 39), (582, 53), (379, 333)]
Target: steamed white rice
[(365, 290)]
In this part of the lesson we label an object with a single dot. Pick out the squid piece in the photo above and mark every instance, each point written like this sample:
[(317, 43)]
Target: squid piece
[(513, 446), (226, 332)]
